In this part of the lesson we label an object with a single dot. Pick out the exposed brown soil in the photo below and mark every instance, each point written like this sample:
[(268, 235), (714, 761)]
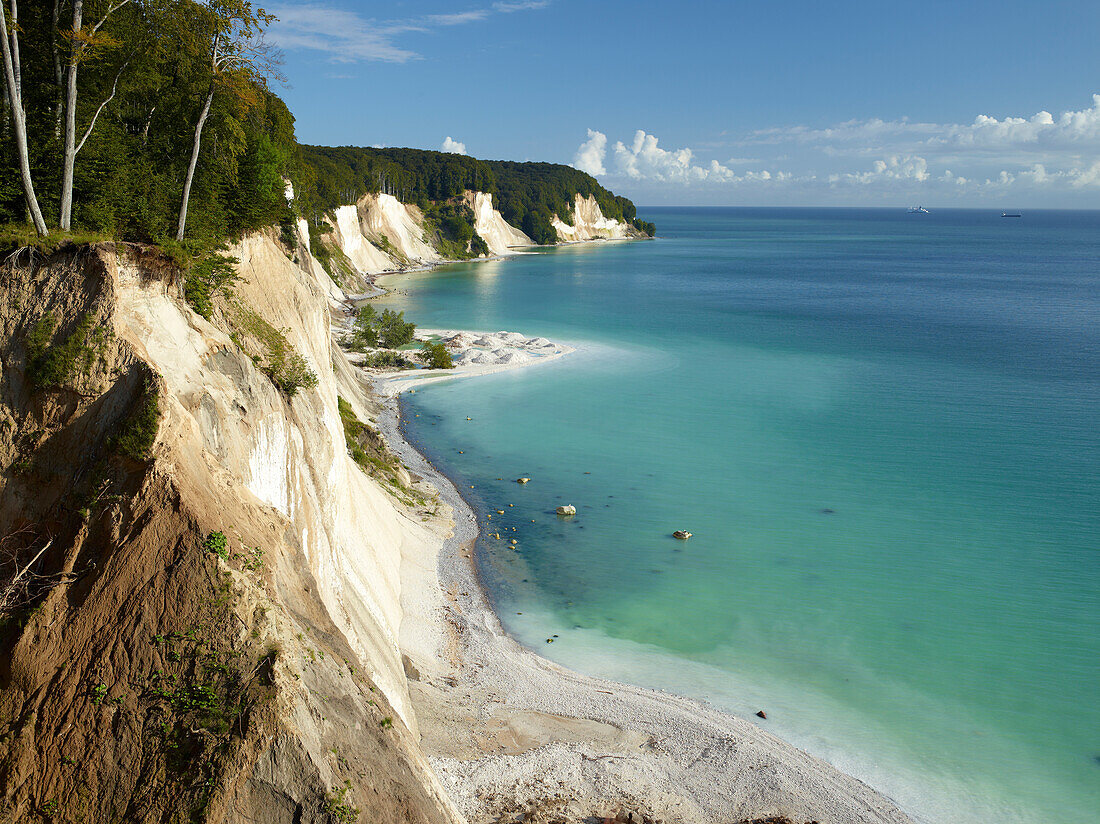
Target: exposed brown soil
[(144, 677)]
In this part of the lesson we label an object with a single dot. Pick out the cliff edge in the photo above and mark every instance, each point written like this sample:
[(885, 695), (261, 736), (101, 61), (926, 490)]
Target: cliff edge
[(201, 588)]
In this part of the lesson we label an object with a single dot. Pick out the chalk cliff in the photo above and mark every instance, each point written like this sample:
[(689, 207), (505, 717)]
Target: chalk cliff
[(207, 627), (501, 237), (589, 223)]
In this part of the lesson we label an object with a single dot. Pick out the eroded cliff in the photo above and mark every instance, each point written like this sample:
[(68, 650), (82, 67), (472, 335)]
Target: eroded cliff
[(201, 586)]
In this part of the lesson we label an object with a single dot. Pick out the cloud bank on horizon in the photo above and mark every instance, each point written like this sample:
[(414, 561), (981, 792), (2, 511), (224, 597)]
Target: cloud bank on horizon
[(866, 160)]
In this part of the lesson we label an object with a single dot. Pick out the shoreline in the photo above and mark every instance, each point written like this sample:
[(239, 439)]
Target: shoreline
[(505, 728)]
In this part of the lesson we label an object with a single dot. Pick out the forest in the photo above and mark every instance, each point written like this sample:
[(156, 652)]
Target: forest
[(154, 121), (528, 195)]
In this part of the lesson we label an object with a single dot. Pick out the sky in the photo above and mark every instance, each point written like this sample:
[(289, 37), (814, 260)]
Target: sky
[(964, 103)]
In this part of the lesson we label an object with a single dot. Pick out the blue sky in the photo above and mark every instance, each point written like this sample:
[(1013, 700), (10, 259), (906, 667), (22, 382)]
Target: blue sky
[(939, 103)]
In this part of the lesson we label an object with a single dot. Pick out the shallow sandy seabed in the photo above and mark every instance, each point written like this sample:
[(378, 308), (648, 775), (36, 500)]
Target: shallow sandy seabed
[(508, 731)]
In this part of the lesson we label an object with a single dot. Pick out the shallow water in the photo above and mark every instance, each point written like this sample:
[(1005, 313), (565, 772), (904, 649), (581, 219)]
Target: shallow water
[(882, 431)]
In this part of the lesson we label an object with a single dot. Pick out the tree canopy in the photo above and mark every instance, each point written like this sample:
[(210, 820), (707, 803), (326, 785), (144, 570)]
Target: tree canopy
[(147, 119)]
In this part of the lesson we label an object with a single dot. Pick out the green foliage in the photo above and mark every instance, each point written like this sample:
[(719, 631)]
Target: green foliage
[(389, 330), (339, 808), (393, 330), (280, 361), (386, 359), (217, 543), (643, 226), (436, 355), (139, 432), (478, 246), (129, 174), (287, 232), (55, 364), (363, 334), (528, 195), (366, 447), (328, 253), (214, 272)]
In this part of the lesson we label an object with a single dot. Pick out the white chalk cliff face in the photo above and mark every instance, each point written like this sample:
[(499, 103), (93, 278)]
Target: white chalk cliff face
[(501, 237), (290, 457), (364, 255), (401, 224), (589, 223), (382, 234)]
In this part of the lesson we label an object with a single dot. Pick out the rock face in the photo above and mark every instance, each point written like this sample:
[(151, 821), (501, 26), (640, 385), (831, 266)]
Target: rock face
[(364, 255), (499, 236), (589, 223), (401, 225), (152, 670)]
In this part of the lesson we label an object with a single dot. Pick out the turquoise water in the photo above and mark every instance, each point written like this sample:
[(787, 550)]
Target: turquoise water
[(882, 431)]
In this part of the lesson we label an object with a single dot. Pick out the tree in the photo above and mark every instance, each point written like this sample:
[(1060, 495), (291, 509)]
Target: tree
[(230, 34), (436, 356), (83, 43), (393, 331), (14, 85)]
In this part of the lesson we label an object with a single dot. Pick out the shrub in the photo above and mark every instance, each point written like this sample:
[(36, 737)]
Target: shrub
[(478, 246), (213, 273), (339, 808), (364, 335), (390, 329), (281, 362), (54, 364), (436, 355), (217, 543), (386, 359), (139, 432)]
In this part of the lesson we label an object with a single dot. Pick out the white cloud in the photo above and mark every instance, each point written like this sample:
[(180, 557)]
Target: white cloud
[(644, 160), (343, 35), (453, 146), (521, 5), (1053, 159), (458, 18), (348, 37), (910, 168), (1010, 138), (590, 154)]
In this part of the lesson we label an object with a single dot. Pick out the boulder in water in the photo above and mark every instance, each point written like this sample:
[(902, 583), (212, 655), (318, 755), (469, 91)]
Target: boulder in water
[(681, 534), (567, 510)]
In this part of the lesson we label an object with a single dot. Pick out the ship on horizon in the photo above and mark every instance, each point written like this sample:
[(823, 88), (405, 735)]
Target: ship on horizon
[(917, 210), (1011, 214)]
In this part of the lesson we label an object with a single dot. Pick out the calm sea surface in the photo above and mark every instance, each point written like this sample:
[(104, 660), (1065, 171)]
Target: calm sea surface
[(883, 431)]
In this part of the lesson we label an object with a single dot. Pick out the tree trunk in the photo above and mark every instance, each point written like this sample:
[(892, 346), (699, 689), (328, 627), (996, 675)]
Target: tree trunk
[(58, 76), (12, 79), (194, 162), (70, 124)]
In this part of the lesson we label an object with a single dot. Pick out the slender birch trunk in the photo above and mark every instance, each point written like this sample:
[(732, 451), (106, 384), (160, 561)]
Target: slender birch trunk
[(13, 81), (69, 162), (194, 162)]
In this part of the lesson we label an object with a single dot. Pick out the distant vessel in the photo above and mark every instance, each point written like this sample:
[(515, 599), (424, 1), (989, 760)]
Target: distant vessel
[(1006, 214), (917, 210)]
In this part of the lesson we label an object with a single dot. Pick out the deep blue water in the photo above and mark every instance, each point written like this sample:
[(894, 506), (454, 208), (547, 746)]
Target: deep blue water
[(882, 431)]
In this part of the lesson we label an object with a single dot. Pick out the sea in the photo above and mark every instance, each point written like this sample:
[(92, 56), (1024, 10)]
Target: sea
[(882, 431)]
